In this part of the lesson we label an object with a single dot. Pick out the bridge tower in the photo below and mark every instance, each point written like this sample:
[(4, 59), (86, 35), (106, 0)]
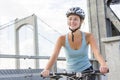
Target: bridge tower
[(31, 20)]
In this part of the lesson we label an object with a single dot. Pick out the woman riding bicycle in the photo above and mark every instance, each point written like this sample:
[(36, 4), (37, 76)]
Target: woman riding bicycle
[(76, 44)]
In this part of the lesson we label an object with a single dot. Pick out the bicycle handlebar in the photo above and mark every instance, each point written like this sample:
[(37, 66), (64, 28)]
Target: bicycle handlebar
[(77, 74), (73, 73)]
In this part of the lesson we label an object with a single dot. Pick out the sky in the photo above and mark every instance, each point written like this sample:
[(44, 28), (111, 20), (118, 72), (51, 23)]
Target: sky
[(51, 12), (116, 9), (45, 9)]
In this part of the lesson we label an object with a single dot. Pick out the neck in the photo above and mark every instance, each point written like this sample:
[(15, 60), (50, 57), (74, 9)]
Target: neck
[(76, 33)]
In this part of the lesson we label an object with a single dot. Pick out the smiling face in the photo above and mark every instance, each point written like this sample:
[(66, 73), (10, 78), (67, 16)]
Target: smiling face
[(73, 21)]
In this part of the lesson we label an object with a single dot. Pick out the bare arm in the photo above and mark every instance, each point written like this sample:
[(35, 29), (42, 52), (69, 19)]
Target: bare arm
[(55, 54), (98, 56), (53, 58), (95, 50)]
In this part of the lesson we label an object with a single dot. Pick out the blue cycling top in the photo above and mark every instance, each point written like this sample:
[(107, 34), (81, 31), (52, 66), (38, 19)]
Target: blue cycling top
[(77, 60)]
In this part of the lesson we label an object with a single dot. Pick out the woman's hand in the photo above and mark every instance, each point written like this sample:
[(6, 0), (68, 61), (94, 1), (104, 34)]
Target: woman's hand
[(45, 73), (104, 69)]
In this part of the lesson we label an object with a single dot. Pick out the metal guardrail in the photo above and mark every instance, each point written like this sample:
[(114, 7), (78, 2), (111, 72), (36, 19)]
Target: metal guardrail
[(28, 57), (33, 57), (21, 74)]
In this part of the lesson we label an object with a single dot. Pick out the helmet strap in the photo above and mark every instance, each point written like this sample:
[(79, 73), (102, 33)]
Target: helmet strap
[(73, 32)]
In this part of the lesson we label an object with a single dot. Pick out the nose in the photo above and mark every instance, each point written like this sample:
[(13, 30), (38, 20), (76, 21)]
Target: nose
[(72, 21)]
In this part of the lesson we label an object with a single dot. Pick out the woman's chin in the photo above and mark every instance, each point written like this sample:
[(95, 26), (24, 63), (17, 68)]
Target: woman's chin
[(72, 28)]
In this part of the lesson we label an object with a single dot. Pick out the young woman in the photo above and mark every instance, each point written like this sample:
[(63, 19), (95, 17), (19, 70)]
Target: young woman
[(76, 46)]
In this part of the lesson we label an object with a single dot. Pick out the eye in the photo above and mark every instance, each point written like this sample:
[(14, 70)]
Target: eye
[(70, 18), (76, 19)]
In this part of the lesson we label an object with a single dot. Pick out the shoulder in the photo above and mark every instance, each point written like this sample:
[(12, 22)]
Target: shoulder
[(61, 39), (89, 37)]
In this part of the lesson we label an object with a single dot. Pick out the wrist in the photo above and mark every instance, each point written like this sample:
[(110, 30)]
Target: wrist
[(46, 69), (103, 65)]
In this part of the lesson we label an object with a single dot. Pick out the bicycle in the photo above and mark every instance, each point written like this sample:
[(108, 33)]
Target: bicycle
[(75, 76)]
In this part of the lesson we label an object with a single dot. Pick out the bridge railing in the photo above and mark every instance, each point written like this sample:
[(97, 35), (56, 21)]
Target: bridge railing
[(21, 74)]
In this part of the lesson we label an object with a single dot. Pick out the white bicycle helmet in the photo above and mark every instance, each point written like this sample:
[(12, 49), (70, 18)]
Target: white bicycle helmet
[(76, 10)]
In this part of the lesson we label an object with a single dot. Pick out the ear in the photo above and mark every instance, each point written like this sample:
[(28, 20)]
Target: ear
[(81, 21)]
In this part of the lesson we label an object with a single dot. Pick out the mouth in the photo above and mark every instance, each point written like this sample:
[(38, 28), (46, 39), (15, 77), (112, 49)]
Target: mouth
[(73, 27)]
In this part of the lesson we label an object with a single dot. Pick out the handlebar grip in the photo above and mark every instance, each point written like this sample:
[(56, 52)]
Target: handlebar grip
[(98, 71), (51, 73), (108, 71), (57, 73), (41, 75)]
